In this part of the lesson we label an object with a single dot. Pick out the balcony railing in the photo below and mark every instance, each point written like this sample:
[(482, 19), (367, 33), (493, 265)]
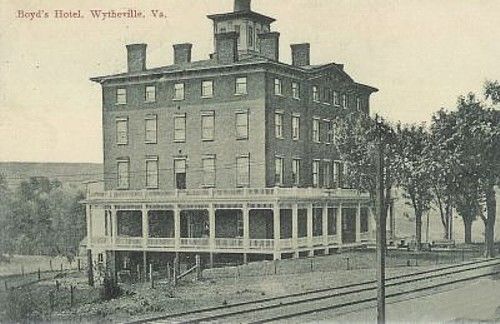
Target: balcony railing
[(286, 243), (161, 242), (241, 192), (196, 243), (333, 239), (205, 243), (302, 241), (318, 240), (261, 244), (228, 243), (129, 241)]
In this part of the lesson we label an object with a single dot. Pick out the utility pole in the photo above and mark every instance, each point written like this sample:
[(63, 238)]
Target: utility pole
[(381, 226)]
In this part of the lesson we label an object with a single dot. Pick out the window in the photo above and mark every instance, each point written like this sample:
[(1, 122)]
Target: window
[(277, 87), (344, 101), (358, 103), (152, 172), (243, 171), (151, 129), (296, 172), (180, 173), (241, 86), (150, 95), (222, 29), (327, 171), (180, 128), (179, 91), (123, 174), (207, 126), (336, 174), (278, 124), (242, 125), (207, 89), (250, 36), (315, 93), (331, 132), (121, 131), (295, 90), (208, 165), (278, 173), (121, 96), (315, 174), (363, 220), (336, 99), (295, 127), (328, 96), (237, 30), (315, 131)]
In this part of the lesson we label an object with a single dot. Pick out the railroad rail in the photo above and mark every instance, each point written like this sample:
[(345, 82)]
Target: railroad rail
[(355, 293)]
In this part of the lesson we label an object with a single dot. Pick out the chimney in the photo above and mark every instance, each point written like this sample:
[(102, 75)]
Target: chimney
[(226, 47), (270, 45), (301, 54), (136, 57), (182, 53), (242, 5)]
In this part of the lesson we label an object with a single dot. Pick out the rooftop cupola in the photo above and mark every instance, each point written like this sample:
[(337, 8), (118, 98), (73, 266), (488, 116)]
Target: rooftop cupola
[(242, 5), (246, 23)]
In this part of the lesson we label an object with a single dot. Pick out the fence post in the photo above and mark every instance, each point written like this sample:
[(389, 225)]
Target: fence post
[(348, 265), (51, 302), (5, 284), (198, 267), (61, 268), (72, 297), (22, 271), (39, 274), (275, 270), (174, 279), (463, 255), (311, 264), (151, 275), (169, 274), (78, 265), (138, 272), (50, 265)]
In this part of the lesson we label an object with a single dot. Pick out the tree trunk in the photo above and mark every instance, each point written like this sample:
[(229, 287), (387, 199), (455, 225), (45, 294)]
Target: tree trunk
[(468, 229), (449, 221), (418, 228), (489, 224)]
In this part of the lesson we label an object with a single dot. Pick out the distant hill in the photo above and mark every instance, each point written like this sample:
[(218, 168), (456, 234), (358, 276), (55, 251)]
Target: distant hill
[(73, 174)]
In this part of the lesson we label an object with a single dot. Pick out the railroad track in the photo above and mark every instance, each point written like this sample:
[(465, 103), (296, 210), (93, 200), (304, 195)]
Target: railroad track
[(266, 309)]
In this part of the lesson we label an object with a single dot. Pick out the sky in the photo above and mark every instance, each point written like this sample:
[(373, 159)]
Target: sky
[(421, 55)]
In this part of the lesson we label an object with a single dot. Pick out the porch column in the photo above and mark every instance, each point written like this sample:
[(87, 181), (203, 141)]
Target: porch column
[(246, 227), (211, 224), (114, 224), (358, 223), (339, 224), (324, 226), (310, 228), (89, 225), (177, 227), (145, 226), (277, 231), (295, 226)]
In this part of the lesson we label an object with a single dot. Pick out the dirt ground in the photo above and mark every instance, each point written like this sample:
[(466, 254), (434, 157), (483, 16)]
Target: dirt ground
[(141, 301)]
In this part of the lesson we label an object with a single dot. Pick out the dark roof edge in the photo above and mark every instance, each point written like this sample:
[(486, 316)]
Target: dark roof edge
[(101, 79), (235, 14)]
